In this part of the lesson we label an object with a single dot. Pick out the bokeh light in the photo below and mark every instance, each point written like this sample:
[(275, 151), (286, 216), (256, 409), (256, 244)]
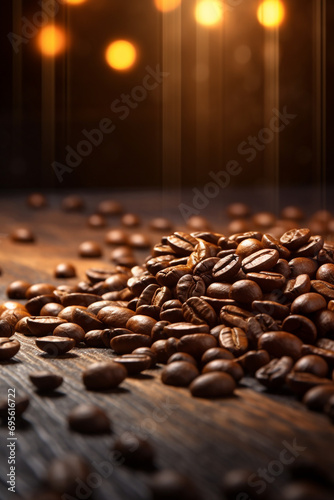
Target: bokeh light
[(271, 13), (51, 40), (121, 55), (167, 5), (75, 2), (209, 12)]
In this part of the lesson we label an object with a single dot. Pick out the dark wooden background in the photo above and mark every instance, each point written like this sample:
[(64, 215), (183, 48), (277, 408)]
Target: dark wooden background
[(203, 439)]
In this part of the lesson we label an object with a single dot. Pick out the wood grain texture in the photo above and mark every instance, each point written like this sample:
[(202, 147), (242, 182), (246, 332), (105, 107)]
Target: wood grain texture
[(201, 438)]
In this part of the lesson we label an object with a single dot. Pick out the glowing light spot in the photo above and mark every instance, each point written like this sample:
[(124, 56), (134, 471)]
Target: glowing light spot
[(209, 12), (121, 55), (271, 13), (51, 40), (75, 2), (167, 5)]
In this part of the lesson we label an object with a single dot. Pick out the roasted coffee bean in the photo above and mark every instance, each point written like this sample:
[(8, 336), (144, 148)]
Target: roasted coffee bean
[(67, 312), (110, 207), (311, 248), (104, 375), (134, 363), (282, 267), (213, 385), (273, 374), (141, 324), (134, 451), (234, 340), (63, 475), (39, 289), (146, 296), (301, 382), (171, 275), (22, 235), (123, 256), (182, 243), (130, 220), (139, 241), (297, 286), (89, 419), (249, 246), (219, 290), (325, 289), (10, 305), (217, 304), (235, 316), (90, 249), (204, 269), (302, 327), (196, 344), (262, 260), (258, 325), (275, 309), (8, 348), (317, 397), (43, 325), (72, 203), (87, 320), (125, 344), (197, 311), (326, 273), (55, 346), (178, 330), (326, 255), (264, 219), (36, 201), (312, 364), (96, 221), (79, 299), (22, 327), (281, 344), (238, 226), (171, 311), (160, 224), (236, 210), (159, 349), (216, 353), (34, 305), (94, 338), (226, 268), (189, 286), (166, 484), (302, 265), (267, 281), (156, 264), (324, 321), (114, 316), (147, 352), (179, 373), (292, 212), (295, 238), (325, 344), (308, 303), (45, 381), (138, 284), (269, 241), (245, 291), (21, 404), (17, 289), (6, 328), (226, 366), (65, 270), (306, 490), (51, 309), (326, 354), (251, 361), (71, 330), (182, 356)]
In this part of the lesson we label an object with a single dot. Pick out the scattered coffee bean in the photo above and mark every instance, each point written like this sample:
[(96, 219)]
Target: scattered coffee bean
[(22, 235), (70, 330), (72, 203), (8, 348), (17, 289), (135, 451), (179, 373), (89, 419), (317, 397), (90, 249), (168, 484), (104, 375), (225, 366), (97, 221), (45, 381), (280, 344), (134, 363), (213, 385), (37, 201), (64, 474), (312, 364), (65, 270), (55, 346), (110, 207)]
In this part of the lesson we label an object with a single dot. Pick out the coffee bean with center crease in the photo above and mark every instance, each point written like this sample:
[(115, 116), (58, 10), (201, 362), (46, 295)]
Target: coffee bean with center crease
[(273, 374), (245, 291), (204, 269), (171, 275), (182, 243), (311, 248), (262, 260), (71, 330), (258, 325), (226, 268), (235, 316), (267, 280), (269, 241), (172, 311), (197, 311), (45, 381), (308, 303), (281, 344), (297, 286), (249, 245), (234, 340), (219, 290), (196, 344), (190, 286), (251, 361), (55, 346), (104, 375), (225, 366), (216, 353), (89, 419), (312, 364), (275, 309), (125, 344), (325, 289), (178, 330), (295, 238), (179, 373), (302, 327), (8, 348), (43, 325), (213, 385)]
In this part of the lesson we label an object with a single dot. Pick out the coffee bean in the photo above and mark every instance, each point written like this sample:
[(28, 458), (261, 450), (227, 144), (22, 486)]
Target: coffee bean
[(326, 354), (179, 373), (324, 321), (196, 344), (21, 404), (282, 267), (226, 268), (110, 207), (301, 382), (94, 338), (213, 385), (73, 203), (216, 353), (225, 366), (34, 305), (236, 210), (311, 248), (138, 284), (262, 260), (245, 291), (325, 344), (17, 289), (134, 451), (308, 303), (147, 352), (197, 311), (104, 375), (171, 275), (295, 238), (306, 490), (87, 320), (134, 363), (160, 224), (6, 328), (269, 241), (312, 364), (234, 340), (125, 344), (90, 250), (141, 324), (114, 316), (251, 361), (182, 356), (248, 246), (302, 327), (190, 286), (89, 419), (325, 289), (36, 201), (182, 243), (236, 485), (267, 281), (39, 289), (65, 270), (258, 325), (97, 221), (302, 265), (178, 330), (22, 235), (166, 484), (264, 219), (45, 381), (63, 475), (8, 348), (316, 398), (70, 330), (55, 346), (159, 349), (219, 290), (273, 374), (326, 273), (281, 344), (171, 311), (43, 325), (51, 309), (297, 286)]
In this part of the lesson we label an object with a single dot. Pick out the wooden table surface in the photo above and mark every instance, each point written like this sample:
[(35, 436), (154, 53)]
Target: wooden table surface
[(203, 439)]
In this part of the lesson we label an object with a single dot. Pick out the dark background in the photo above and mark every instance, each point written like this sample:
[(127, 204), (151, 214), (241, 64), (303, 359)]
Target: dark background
[(132, 156)]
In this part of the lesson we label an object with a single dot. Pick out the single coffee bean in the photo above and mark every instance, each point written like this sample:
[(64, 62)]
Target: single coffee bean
[(219, 290), (325, 289), (114, 316), (65, 270), (326, 273), (245, 291), (225, 366), (17, 289), (302, 327), (21, 404), (197, 311), (137, 284), (171, 275), (73, 203), (134, 363), (90, 249), (302, 265), (324, 321), (79, 299), (326, 354), (308, 303), (125, 344), (236, 485), (22, 235), (311, 248), (135, 451), (182, 356), (45, 381), (43, 325), (196, 344), (104, 375), (251, 361), (39, 289), (141, 324), (97, 221), (139, 241), (262, 260), (171, 311), (325, 344), (6, 328), (267, 281), (226, 268), (178, 330), (55, 346), (295, 238), (189, 286), (282, 267), (36, 201), (213, 385), (8, 348), (70, 330), (236, 210), (182, 243), (96, 307), (269, 241), (110, 207), (160, 224), (51, 309), (312, 364), (281, 344), (234, 340), (89, 419), (179, 373), (87, 320), (94, 338), (166, 484), (297, 286), (235, 316), (273, 374), (316, 398), (301, 382), (159, 349), (64, 474), (204, 269), (147, 351), (248, 246), (306, 490), (216, 353)]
